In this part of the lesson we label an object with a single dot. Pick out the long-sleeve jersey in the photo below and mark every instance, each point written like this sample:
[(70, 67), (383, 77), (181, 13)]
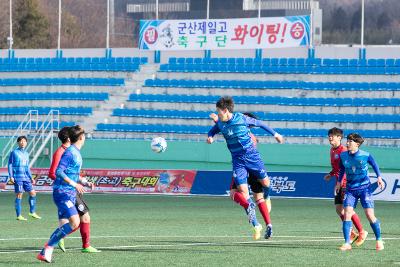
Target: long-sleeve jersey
[(55, 161), (237, 133), (335, 163), (356, 168), (69, 167), (18, 165)]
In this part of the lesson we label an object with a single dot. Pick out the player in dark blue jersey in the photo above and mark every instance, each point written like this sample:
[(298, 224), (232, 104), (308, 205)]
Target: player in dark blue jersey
[(20, 175), (245, 157), (354, 163), (64, 191)]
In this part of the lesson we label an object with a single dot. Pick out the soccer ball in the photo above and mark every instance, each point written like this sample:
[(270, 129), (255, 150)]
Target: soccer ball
[(158, 144)]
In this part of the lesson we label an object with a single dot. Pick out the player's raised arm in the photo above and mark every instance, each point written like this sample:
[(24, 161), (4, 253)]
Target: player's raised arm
[(213, 131), (252, 122)]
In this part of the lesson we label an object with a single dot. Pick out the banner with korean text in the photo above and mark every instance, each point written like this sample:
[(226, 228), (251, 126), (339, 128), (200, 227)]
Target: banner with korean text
[(121, 181), (251, 33)]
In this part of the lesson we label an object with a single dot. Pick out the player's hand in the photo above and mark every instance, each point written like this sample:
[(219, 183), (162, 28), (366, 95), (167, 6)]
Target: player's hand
[(381, 184), (214, 117), (327, 177), (12, 180), (33, 181), (337, 187), (279, 138), (80, 188), (210, 140)]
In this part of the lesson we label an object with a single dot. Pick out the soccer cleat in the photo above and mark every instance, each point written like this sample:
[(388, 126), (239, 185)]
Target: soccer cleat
[(269, 204), (353, 237), (21, 218), (257, 231), (361, 238), (90, 249), (379, 245), (34, 215), (345, 247), (268, 232), (251, 213), (61, 245), (45, 254)]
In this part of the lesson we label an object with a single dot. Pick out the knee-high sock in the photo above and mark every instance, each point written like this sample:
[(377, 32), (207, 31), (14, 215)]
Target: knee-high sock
[(18, 206), (376, 227), (240, 199), (85, 234), (59, 234), (346, 231), (262, 206), (357, 222), (32, 204)]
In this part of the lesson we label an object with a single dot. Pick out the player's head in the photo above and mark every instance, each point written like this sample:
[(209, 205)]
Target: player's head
[(63, 135), (22, 141), (354, 140), (225, 107), (76, 134), (335, 136)]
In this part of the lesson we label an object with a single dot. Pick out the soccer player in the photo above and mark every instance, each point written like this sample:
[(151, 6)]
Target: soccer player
[(354, 163), (64, 191), (20, 175), (264, 206), (335, 136), (80, 203), (245, 157)]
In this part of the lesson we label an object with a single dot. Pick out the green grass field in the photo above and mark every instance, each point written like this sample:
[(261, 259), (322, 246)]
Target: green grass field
[(135, 230)]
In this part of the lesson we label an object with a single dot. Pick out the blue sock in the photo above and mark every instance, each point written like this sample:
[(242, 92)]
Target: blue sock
[(266, 192), (346, 231), (18, 206), (32, 204), (59, 234), (376, 227), (252, 207)]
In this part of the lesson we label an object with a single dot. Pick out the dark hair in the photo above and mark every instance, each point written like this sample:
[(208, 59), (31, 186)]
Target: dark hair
[(22, 137), (356, 138), (251, 115), (63, 134), (335, 131), (74, 132), (225, 102)]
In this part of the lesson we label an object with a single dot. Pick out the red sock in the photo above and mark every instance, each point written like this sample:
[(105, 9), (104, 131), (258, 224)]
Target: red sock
[(85, 233), (239, 198), (264, 211), (357, 222)]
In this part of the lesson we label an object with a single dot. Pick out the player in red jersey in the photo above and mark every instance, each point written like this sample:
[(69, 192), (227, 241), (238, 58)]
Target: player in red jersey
[(80, 204), (264, 206), (335, 136)]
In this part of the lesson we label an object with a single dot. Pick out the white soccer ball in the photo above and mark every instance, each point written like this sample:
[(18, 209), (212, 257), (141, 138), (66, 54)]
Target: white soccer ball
[(158, 144)]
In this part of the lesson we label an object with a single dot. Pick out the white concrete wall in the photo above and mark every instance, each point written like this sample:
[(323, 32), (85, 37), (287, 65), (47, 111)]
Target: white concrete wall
[(330, 51), (383, 52), (234, 53), (165, 55), (296, 52)]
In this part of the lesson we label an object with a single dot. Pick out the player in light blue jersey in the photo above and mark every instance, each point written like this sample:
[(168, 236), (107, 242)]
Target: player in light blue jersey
[(20, 175), (64, 191), (354, 163), (235, 127)]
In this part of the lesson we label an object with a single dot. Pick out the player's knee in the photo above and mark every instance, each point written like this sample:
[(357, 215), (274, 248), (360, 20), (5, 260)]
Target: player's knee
[(19, 195), (32, 193), (85, 218), (265, 182)]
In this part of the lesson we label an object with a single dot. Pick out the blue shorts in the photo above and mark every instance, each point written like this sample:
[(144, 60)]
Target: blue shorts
[(351, 198), (65, 203), (249, 164), (23, 186)]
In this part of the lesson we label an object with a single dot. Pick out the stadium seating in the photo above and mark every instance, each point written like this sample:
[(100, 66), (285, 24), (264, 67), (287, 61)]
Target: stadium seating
[(124, 64), (284, 65)]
